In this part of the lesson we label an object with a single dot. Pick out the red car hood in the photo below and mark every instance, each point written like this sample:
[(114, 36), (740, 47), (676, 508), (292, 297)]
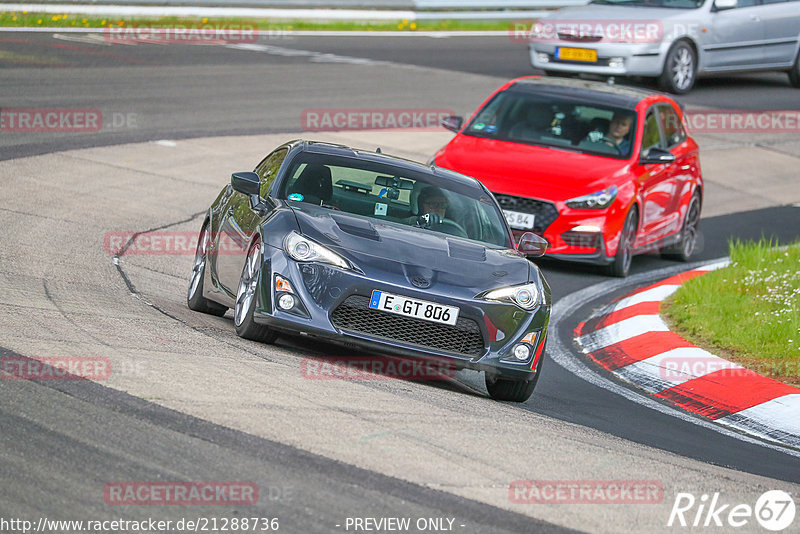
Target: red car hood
[(528, 170)]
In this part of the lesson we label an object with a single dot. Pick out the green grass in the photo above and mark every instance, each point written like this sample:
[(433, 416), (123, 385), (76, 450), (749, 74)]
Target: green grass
[(748, 312), (30, 19)]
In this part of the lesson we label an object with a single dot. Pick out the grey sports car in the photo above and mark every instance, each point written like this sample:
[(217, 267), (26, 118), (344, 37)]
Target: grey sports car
[(370, 250)]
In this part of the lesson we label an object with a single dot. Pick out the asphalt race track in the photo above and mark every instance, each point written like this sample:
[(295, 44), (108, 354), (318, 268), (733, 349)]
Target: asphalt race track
[(189, 401)]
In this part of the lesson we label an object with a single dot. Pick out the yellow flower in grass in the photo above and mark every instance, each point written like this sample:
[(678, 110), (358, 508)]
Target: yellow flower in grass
[(413, 26), (205, 20), (39, 21)]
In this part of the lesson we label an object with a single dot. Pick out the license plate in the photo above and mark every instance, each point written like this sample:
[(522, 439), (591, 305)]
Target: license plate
[(419, 309), (519, 221), (577, 54)]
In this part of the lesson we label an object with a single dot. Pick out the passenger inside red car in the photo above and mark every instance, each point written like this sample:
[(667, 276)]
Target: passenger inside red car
[(536, 119)]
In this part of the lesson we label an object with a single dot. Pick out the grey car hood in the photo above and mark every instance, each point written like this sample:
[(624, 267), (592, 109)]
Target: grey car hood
[(441, 259)]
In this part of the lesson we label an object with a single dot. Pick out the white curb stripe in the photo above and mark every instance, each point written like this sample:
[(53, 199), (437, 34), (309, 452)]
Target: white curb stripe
[(777, 419), (625, 329), (673, 368), (713, 266), (654, 294)]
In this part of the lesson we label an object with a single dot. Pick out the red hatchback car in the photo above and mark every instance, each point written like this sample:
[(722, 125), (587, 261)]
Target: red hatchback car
[(602, 172)]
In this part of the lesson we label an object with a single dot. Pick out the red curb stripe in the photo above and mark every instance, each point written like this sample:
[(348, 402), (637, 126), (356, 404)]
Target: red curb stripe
[(725, 392), (637, 349), (579, 329), (643, 308), (675, 280)]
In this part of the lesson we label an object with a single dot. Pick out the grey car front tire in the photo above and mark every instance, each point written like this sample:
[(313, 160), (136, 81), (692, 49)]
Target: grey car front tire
[(794, 72), (194, 296), (246, 297)]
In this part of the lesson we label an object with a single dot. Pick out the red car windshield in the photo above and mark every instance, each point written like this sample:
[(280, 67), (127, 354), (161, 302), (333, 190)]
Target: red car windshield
[(556, 121)]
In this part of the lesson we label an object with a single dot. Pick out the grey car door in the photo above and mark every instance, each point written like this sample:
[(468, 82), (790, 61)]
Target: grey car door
[(240, 222), (734, 38), (781, 20)]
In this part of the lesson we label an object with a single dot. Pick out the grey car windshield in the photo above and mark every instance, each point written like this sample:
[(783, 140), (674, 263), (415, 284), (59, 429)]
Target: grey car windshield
[(556, 121), (395, 195), (677, 4)]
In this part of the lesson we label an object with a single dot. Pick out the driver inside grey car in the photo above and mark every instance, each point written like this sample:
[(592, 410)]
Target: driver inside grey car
[(432, 206)]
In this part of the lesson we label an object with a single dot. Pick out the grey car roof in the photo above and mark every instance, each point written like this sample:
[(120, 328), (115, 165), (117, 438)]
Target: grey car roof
[(318, 147)]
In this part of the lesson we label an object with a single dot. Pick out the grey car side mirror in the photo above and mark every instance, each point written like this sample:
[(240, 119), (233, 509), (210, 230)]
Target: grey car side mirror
[(533, 245), (245, 182)]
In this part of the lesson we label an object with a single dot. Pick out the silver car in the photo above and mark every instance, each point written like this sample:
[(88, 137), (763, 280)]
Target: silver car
[(671, 40)]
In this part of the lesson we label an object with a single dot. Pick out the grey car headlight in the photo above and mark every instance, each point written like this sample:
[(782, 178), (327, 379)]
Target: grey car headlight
[(301, 248), (599, 200), (526, 296)]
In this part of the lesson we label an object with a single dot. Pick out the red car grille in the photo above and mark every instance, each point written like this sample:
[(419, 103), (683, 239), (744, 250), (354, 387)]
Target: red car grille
[(545, 212)]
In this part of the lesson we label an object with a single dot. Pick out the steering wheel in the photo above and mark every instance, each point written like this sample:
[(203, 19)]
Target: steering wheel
[(453, 227), (434, 220), (610, 142)]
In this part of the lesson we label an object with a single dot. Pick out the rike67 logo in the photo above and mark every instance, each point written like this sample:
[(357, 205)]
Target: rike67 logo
[(774, 510)]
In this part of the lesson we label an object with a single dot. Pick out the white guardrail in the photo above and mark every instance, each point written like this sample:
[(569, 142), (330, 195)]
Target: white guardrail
[(451, 7)]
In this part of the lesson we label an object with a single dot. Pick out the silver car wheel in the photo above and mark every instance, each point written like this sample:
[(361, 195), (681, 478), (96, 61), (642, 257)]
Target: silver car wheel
[(683, 69), (199, 263), (247, 285)]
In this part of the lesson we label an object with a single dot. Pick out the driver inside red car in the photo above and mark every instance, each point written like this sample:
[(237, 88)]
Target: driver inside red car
[(617, 135)]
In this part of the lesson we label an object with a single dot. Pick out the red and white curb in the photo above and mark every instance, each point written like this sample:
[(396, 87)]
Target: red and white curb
[(630, 339)]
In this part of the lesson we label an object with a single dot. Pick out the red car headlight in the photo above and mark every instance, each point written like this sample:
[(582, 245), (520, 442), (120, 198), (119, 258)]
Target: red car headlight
[(599, 200)]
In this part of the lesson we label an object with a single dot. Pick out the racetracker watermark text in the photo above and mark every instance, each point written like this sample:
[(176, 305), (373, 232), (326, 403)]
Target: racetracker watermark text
[(180, 493), (182, 34), (679, 368), (50, 120), (325, 120), (54, 368), (587, 30), (169, 243), (374, 368), (586, 492), (64, 120), (743, 121)]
